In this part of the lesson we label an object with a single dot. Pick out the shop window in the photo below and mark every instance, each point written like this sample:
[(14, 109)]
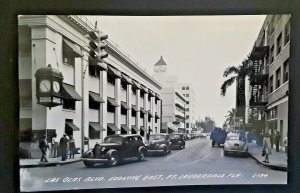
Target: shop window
[(278, 77), (286, 70), (279, 42), (287, 31), (69, 59), (69, 104)]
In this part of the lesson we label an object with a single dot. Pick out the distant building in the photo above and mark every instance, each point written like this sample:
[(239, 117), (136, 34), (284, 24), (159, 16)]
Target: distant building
[(189, 94), (174, 106)]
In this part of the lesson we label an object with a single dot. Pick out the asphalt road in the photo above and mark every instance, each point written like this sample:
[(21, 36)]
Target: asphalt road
[(197, 164)]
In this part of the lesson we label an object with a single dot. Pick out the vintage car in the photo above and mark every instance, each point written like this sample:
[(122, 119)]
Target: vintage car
[(159, 142), (177, 140), (218, 136), (115, 149), (235, 143)]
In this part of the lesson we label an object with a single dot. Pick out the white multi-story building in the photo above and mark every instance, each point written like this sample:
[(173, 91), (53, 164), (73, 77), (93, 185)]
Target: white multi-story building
[(188, 92), (99, 100), (174, 103)]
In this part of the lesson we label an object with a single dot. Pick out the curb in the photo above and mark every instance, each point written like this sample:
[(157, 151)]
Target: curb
[(275, 167), (49, 164)]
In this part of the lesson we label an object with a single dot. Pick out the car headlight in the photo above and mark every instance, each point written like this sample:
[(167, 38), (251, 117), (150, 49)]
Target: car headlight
[(102, 148)]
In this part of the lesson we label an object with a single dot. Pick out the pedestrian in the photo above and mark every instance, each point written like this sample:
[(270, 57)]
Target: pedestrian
[(277, 139), (43, 145), (72, 146), (267, 147), (54, 146), (63, 144), (285, 143)]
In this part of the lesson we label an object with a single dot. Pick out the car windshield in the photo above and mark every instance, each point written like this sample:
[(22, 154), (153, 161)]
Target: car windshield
[(156, 137), (113, 139), (175, 136)]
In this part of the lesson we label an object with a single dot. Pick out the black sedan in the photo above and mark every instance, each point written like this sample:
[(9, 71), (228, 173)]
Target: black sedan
[(159, 143), (177, 140)]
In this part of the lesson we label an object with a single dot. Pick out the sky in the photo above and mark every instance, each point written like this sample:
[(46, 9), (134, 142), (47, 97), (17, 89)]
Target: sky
[(196, 48)]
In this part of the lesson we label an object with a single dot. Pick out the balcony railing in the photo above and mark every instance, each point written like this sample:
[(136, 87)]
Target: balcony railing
[(258, 101), (259, 79), (259, 52)]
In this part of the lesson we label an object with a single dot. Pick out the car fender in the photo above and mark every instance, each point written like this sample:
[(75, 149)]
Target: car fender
[(163, 146), (87, 154), (109, 152)]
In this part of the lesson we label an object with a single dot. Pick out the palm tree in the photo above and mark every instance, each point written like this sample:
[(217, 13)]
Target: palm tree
[(230, 117), (240, 72)]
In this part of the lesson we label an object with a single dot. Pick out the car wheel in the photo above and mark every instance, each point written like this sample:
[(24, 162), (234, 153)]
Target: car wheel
[(114, 159), (141, 156), (183, 146), (88, 164), (165, 151)]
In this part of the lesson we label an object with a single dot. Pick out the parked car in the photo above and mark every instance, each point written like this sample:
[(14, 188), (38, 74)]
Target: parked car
[(235, 143), (115, 149), (159, 143), (218, 136), (177, 140)]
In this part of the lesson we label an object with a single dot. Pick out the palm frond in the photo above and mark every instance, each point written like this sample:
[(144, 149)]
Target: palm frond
[(230, 70), (226, 84)]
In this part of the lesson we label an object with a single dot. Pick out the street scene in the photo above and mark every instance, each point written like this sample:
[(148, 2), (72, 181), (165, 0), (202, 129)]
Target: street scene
[(201, 104)]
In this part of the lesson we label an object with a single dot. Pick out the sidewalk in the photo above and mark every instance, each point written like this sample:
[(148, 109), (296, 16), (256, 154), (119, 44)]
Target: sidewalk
[(278, 160), (31, 163)]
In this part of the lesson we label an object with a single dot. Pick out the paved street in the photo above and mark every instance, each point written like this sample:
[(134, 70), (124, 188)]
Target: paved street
[(198, 164)]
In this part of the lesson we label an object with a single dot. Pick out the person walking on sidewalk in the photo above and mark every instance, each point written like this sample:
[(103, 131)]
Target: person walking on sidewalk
[(277, 139), (267, 147), (63, 145), (43, 145), (72, 146), (285, 143), (54, 146)]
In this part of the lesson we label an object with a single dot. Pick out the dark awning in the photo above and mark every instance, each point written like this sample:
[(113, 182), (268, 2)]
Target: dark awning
[(112, 102), (150, 114), (142, 128), (96, 126), (143, 110), (144, 89), (70, 93), (126, 79), (96, 97), (134, 128), (150, 130), (179, 105), (134, 108), (113, 127), (135, 84), (124, 105), (124, 126), (72, 126), (151, 93), (179, 116), (71, 48), (114, 72)]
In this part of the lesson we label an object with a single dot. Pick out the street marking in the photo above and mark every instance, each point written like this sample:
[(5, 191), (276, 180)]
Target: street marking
[(189, 163)]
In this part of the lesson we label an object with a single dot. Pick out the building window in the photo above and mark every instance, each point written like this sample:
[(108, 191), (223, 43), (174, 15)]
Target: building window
[(271, 84), (278, 77), (187, 102), (93, 134), (69, 104), (187, 109), (286, 70), (272, 54), (94, 72), (187, 95), (273, 113), (187, 116), (287, 31), (187, 88), (68, 131), (69, 59), (187, 125), (279, 42), (183, 88), (111, 80)]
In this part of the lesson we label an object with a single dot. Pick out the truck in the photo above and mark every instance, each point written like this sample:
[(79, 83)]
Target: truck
[(218, 136)]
